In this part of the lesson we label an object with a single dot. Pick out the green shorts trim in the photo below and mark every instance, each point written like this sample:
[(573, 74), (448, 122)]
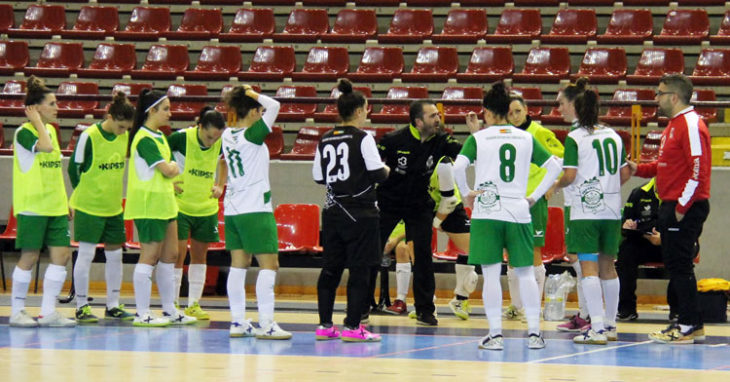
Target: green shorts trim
[(152, 230), (255, 233), (595, 236), (489, 238), (539, 214), (34, 232), (99, 229), (201, 228)]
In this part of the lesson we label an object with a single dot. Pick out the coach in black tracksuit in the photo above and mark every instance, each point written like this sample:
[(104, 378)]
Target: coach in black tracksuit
[(412, 153)]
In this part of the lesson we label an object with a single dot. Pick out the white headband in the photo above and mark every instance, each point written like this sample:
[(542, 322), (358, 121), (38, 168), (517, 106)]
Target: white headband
[(155, 104)]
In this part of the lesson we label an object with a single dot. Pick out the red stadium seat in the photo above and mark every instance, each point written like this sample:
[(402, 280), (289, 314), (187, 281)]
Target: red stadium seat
[(482, 3), (7, 19), (377, 132), (298, 228), (324, 64), (111, 61), (271, 63), (14, 57), (9, 235), (77, 108), (555, 247), (709, 114), (128, 89), (251, 25), (621, 115), (517, 25), (353, 25), (398, 113), (649, 152), (186, 110), (198, 24), (603, 65), (535, 112), (304, 25), (409, 26), (305, 143), (654, 63), (12, 106), (646, 2), (41, 21), (488, 64), (319, 3), (371, 3), (628, 26), (330, 114), (379, 64), (433, 64), (217, 63), (95, 23), (533, 3), (712, 68), (58, 59), (275, 142), (463, 26), (545, 65), (572, 26), (590, 2), (146, 23), (554, 117), (684, 26), (299, 112), (164, 62), (723, 34), (457, 113)]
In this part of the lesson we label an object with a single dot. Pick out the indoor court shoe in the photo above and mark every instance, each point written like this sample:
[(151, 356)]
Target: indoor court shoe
[(632, 316), (699, 333), (196, 311), (179, 318), (242, 329), (591, 337), (84, 315), (398, 307), (492, 343), (535, 341), (575, 324), (461, 308), (673, 335), (513, 314), (324, 334), (426, 319), (147, 320), (22, 320), (611, 333), (272, 332), (56, 320), (118, 313), (359, 335)]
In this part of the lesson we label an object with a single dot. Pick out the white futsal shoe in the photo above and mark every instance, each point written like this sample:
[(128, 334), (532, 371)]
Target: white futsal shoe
[(22, 320), (242, 329), (56, 320), (272, 332)]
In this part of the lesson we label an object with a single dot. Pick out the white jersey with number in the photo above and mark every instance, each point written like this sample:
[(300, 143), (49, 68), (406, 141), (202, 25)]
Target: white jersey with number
[(248, 188), (598, 157)]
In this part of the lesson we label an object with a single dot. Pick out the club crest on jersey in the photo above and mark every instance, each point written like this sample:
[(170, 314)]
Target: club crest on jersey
[(591, 196), (429, 161), (488, 200)]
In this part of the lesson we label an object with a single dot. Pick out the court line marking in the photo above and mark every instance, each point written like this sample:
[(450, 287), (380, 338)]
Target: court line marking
[(420, 349), (590, 351)]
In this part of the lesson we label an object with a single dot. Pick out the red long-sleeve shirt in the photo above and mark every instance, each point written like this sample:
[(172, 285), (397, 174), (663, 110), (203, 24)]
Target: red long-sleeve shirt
[(685, 161)]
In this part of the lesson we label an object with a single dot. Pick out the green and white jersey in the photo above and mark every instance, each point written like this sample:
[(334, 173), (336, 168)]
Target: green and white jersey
[(502, 155), (568, 190), (598, 157)]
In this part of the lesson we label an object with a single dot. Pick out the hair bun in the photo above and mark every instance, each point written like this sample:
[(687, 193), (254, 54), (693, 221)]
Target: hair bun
[(499, 87), (581, 83), (35, 83), (119, 97), (344, 86)]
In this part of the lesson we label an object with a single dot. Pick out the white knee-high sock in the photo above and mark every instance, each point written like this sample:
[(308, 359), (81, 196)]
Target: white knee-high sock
[(582, 306), (492, 296), (462, 273), (81, 272), (514, 288), (52, 284), (178, 282), (143, 287), (402, 280), (265, 296), (166, 286), (21, 282), (236, 287), (540, 277), (594, 300), (196, 282), (530, 298), (610, 296), (113, 272)]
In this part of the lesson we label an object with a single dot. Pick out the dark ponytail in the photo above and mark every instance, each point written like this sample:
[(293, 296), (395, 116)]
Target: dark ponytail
[(587, 107), (121, 109), (497, 100), (239, 102), (147, 97), (209, 117), (35, 91), (349, 100), (572, 91)]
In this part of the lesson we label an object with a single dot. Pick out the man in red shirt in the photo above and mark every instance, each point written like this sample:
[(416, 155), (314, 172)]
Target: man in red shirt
[(683, 183)]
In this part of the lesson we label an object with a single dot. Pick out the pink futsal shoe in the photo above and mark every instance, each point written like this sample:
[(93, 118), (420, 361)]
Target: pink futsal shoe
[(359, 335), (576, 324), (325, 334)]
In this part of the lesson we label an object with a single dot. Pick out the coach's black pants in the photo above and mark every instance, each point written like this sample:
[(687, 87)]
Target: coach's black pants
[(633, 252), (678, 251)]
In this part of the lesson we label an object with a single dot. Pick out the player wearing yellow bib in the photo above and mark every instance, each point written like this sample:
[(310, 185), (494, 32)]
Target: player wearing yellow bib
[(40, 205), (249, 217), (519, 118), (197, 151), (502, 154), (96, 171), (595, 165), (151, 204)]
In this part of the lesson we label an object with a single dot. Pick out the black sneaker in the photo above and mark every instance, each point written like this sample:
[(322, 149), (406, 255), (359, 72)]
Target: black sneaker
[(426, 319), (627, 316), (118, 313)]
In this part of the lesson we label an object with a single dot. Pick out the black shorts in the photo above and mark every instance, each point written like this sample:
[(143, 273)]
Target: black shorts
[(457, 221), (350, 243)]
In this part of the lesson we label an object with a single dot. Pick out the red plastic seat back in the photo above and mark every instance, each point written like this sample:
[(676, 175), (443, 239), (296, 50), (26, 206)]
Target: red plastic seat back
[(102, 19), (630, 22), (7, 19), (555, 235), (13, 87), (306, 109), (166, 58), (575, 22), (331, 60), (723, 31), (686, 22), (275, 142), (253, 21), (297, 226), (713, 62), (528, 94), (658, 61), (463, 93), (382, 60), (708, 113), (225, 59), (176, 90), (14, 55), (331, 108), (555, 61), (403, 92), (648, 112), (61, 55), (71, 88), (307, 21), (412, 22), (431, 59), (149, 20), (361, 22), (491, 60), (45, 18), (11, 230), (518, 21), (276, 59), (114, 56), (202, 20), (604, 61), (130, 89), (466, 21)]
